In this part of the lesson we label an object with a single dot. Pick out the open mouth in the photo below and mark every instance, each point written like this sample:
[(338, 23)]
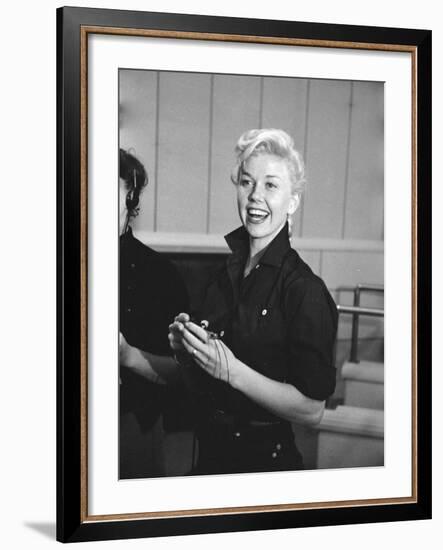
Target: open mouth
[(257, 215)]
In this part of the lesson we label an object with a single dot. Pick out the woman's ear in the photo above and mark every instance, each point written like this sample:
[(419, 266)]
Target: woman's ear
[(294, 203)]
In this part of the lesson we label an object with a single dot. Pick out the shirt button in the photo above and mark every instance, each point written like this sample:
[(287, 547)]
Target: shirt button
[(128, 309), (278, 446), (274, 455), (264, 312), (237, 434), (257, 266), (132, 266)]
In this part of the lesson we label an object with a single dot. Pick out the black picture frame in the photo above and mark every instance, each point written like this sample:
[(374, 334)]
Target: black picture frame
[(73, 523)]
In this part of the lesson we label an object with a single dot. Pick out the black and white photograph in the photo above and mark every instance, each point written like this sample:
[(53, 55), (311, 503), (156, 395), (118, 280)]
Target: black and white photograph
[(220, 328), (243, 274), (251, 273)]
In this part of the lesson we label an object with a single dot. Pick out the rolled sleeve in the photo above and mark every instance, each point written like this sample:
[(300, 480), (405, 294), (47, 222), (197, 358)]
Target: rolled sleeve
[(312, 328)]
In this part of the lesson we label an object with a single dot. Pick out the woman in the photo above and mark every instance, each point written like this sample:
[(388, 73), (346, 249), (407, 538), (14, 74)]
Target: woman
[(265, 333), (151, 291)]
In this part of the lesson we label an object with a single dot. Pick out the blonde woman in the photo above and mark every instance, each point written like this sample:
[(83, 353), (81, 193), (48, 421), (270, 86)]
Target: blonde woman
[(261, 345)]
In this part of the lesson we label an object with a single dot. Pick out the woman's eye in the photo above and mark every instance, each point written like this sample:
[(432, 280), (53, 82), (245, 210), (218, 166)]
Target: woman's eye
[(270, 185), (245, 182)]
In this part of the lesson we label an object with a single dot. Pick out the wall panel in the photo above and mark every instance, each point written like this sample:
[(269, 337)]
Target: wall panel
[(284, 106), (326, 158), (137, 121), (350, 268), (184, 109), (364, 200), (236, 108)]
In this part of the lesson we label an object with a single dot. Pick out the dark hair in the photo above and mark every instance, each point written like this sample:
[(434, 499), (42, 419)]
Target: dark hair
[(134, 175)]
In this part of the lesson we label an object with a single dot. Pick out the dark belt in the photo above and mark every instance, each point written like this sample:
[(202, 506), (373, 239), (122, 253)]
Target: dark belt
[(223, 418)]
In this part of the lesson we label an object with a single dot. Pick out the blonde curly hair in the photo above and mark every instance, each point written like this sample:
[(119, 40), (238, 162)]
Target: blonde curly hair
[(274, 142)]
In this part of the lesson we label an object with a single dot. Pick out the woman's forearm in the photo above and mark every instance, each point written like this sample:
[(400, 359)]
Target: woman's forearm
[(155, 368), (283, 400)]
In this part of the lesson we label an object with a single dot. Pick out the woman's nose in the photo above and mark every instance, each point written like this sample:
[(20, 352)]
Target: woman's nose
[(256, 192)]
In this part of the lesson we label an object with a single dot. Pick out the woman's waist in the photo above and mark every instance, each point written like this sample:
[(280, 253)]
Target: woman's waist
[(252, 417), (225, 405), (222, 430), (227, 418)]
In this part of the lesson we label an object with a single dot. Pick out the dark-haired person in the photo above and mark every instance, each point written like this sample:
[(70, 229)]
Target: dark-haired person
[(151, 290), (266, 343)]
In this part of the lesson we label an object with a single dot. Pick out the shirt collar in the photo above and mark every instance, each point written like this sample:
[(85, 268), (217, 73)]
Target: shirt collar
[(238, 242)]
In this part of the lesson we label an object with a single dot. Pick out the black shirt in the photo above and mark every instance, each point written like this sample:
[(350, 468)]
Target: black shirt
[(152, 293), (280, 320)]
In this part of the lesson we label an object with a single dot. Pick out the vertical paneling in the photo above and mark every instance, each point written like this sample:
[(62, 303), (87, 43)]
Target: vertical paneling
[(284, 107), (236, 108), (184, 102), (137, 125), (364, 201), (326, 158), (350, 268), (199, 119)]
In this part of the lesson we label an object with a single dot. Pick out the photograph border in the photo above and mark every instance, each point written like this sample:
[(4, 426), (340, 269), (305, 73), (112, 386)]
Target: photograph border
[(73, 27)]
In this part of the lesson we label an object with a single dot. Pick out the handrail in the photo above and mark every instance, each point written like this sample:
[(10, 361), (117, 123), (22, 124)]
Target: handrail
[(362, 287), (371, 287), (356, 311), (369, 311)]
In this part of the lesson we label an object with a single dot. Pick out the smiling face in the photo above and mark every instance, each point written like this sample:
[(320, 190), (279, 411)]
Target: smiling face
[(264, 198)]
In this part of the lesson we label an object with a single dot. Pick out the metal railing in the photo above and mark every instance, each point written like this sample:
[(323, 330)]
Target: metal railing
[(356, 310)]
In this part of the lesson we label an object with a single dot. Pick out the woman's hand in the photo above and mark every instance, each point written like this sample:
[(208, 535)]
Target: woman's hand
[(211, 354), (176, 332), (135, 359), (216, 359)]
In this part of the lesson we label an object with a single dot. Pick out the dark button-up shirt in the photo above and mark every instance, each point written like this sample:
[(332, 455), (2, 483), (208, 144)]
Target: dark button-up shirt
[(280, 320)]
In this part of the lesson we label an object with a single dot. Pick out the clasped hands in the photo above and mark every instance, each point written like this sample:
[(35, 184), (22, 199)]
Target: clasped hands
[(209, 353)]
